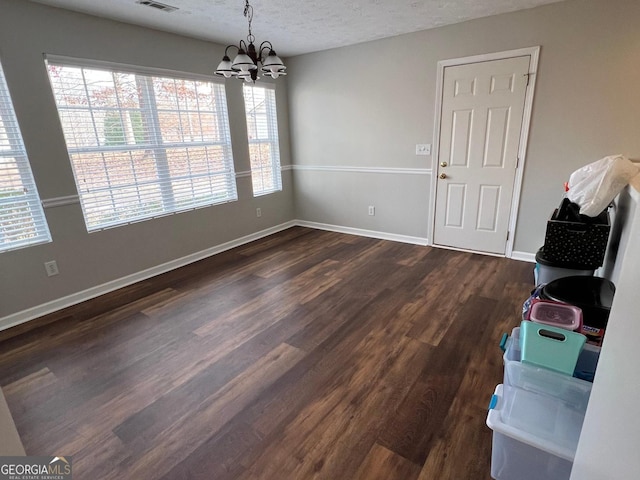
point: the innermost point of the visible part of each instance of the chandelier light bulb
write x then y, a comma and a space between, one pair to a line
243, 62
224, 68
272, 66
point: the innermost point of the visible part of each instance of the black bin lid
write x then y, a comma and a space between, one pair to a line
581, 291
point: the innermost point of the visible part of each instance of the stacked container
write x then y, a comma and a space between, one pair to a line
536, 416
574, 244
547, 270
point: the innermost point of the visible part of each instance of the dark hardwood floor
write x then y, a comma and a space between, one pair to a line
307, 354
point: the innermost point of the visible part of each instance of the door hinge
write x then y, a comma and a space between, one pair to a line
528, 75
517, 162
508, 235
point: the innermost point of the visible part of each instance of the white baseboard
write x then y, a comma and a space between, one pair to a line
523, 256
364, 233
93, 292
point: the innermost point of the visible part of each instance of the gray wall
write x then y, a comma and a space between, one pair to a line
368, 105
85, 260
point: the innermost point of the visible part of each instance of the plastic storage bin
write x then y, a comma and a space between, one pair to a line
547, 270
587, 363
556, 314
550, 347
593, 295
534, 436
574, 392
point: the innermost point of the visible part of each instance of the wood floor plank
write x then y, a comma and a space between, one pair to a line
450, 453
344, 416
452, 296
308, 284
383, 464
212, 414
27, 346
31, 383
304, 355
59, 438
465, 422
224, 459
183, 399
330, 364
101, 454
219, 457
418, 420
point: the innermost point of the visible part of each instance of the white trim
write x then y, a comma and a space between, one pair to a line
246, 173
522, 149
523, 256
534, 53
364, 233
436, 149
488, 57
93, 292
388, 170
60, 201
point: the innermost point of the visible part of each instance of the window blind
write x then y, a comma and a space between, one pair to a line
22, 220
143, 146
262, 131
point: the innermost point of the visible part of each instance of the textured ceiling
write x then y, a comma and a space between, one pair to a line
298, 26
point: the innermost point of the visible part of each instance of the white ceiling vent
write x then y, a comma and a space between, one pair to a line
160, 6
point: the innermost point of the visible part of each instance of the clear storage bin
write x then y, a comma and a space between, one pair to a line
535, 436
573, 391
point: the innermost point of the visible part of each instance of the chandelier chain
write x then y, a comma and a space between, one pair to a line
248, 13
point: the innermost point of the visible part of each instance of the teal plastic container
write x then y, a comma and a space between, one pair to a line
550, 347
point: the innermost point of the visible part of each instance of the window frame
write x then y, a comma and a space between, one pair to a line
273, 139
35, 218
160, 148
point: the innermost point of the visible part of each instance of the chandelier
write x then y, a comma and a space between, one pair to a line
245, 64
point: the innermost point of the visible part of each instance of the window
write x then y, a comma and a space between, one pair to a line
142, 146
262, 130
22, 221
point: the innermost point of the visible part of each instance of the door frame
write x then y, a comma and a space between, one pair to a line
534, 53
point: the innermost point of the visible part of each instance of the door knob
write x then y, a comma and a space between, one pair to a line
443, 164
443, 176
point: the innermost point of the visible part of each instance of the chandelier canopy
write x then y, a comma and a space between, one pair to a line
245, 63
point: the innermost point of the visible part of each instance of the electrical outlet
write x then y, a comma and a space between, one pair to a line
258, 212
423, 149
372, 210
51, 268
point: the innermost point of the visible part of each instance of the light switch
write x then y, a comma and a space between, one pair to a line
423, 149
51, 268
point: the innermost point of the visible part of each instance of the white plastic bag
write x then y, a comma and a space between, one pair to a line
594, 186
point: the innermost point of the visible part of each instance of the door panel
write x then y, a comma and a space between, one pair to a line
460, 133
496, 137
482, 109
456, 199
488, 204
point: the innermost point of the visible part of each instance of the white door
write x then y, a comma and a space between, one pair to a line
482, 111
